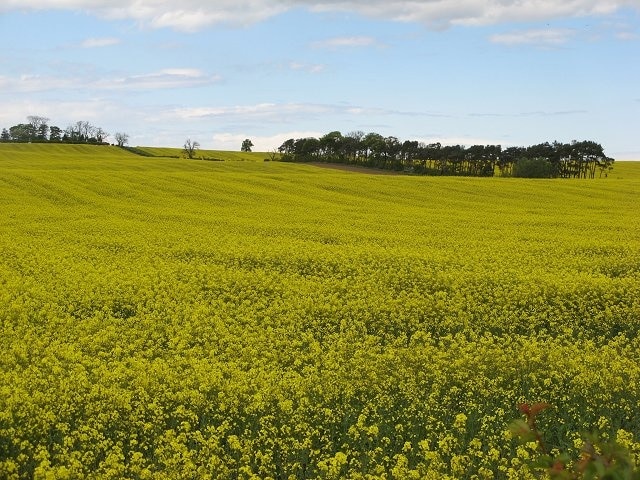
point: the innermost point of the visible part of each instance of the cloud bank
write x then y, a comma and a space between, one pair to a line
193, 15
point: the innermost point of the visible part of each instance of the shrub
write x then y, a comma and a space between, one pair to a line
533, 168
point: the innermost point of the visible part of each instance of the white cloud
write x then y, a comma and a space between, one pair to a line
191, 15
184, 15
262, 112
34, 83
282, 112
62, 113
538, 113
232, 141
100, 42
163, 79
627, 36
546, 37
309, 68
346, 42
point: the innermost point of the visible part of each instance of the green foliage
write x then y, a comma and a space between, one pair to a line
533, 168
598, 460
247, 144
574, 160
165, 318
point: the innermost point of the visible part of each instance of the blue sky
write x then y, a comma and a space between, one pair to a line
469, 72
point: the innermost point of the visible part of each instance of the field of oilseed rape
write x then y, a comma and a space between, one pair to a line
166, 318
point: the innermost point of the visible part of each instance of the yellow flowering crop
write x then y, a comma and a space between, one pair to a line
164, 318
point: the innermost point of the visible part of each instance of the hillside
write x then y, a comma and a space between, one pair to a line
173, 318
202, 154
106, 151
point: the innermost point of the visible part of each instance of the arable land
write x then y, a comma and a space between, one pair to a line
166, 318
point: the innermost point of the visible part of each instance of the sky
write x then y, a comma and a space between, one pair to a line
509, 72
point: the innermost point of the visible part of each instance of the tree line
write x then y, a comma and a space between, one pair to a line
38, 130
548, 160
578, 159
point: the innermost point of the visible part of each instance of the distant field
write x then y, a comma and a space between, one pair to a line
102, 151
626, 170
205, 154
167, 318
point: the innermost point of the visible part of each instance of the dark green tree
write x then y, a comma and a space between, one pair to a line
22, 132
307, 150
246, 145
374, 146
55, 134
354, 146
392, 150
331, 146
544, 160
537, 167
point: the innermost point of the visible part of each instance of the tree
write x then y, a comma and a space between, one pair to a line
101, 135
537, 167
39, 126
246, 145
121, 139
42, 134
78, 132
4, 136
409, 152
331, 146
87, 130
190, 148
373, 147
605, 165
22, 133
545, 160
392, 148
353, 145
508, 158
273, 155
82, 131
287, 150
69, 134
55, 134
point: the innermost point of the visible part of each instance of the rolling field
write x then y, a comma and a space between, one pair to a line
205, 154
167, 318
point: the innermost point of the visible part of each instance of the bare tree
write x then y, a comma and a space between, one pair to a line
70, 134
101, 135
121, 139
84, 130
190, 148
37, 121
273, 155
